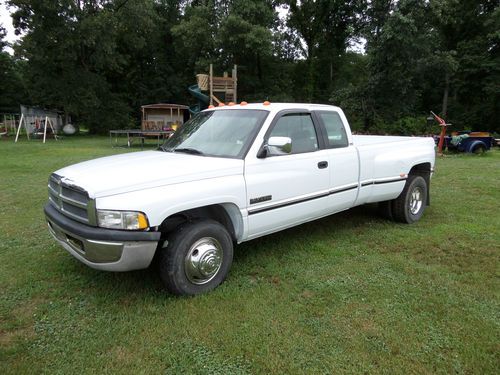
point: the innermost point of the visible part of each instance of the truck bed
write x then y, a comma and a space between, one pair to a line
368, 140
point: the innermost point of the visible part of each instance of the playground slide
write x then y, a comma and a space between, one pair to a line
203, 99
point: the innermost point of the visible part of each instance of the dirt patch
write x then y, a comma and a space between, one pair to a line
8, 338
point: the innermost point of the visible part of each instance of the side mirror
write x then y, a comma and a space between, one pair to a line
276, 146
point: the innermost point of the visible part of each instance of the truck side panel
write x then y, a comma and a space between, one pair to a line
162, 202
384, 166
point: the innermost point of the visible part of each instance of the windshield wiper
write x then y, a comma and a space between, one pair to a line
188, 150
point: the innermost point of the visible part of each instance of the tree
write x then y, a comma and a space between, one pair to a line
430, 55
97, 60
3, 34
469, 39
232, 32
100, 60
11, 87
195, 36
246, 39
325, 27
399, 45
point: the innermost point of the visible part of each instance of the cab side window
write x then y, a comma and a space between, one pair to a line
299, 127
335, 130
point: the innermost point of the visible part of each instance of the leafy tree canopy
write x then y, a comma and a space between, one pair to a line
100, 60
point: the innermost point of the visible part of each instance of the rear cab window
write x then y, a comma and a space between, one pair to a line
333, 126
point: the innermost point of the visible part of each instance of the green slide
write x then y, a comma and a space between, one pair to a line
203, 99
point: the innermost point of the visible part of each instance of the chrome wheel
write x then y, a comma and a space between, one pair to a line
203, 260
416, 200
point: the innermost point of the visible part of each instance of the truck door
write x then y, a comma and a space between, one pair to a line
289, 188
342, 159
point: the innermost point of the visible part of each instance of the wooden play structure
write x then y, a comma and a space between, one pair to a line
219, 85
163, 116
159, 121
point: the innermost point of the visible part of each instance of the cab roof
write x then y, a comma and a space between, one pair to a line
275, 107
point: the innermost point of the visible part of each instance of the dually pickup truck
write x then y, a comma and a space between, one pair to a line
229, 175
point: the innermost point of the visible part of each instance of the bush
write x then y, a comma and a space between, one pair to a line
412, 126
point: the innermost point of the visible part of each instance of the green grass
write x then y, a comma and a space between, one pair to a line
351, 293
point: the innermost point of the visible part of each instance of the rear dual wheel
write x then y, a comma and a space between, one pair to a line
410, 205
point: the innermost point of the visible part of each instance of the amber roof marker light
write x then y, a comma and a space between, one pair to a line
267, 103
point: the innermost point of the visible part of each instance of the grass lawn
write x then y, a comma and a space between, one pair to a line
350, 293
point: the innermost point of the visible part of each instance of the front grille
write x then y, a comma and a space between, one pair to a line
71, 200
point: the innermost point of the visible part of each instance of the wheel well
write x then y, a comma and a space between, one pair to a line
424, 170
217, 212
421, 169
477, 146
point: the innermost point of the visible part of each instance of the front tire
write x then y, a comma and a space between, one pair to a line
197, 258
410, 205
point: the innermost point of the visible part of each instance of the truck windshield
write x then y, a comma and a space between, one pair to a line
224, 133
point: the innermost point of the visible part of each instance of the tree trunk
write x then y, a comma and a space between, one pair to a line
444, 109
309, 84
259, 68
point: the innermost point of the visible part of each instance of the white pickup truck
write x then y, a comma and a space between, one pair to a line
229, 175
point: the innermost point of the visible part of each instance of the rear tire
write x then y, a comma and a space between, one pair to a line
410, 205
197, 258
479, 149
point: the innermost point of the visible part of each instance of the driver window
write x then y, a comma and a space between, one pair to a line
299, 128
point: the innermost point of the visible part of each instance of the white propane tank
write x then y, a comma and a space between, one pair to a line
69, 129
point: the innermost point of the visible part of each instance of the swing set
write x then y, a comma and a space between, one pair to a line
40, 126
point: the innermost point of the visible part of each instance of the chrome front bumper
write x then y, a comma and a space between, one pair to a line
105, 254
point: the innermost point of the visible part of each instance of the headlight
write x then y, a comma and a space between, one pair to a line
129, 220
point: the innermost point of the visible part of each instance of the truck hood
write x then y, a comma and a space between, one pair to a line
142, 170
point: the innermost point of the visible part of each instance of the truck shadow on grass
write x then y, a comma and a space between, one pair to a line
335, 226
144, 281
290, 242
